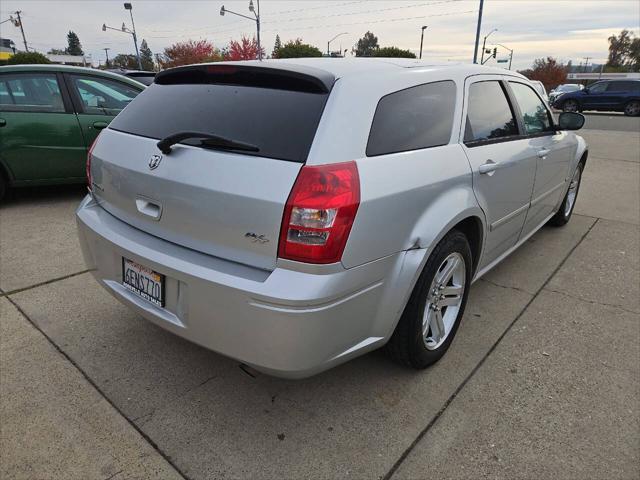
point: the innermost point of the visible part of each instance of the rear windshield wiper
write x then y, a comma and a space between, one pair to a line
208, 140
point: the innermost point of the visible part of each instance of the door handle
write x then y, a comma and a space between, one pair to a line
488, 168
3, 122
100, 125
543, 152
149, 208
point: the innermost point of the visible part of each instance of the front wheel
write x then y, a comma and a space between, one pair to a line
563, 215
432, 315
632, 109
570, 106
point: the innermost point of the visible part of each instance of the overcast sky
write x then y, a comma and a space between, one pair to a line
568, 30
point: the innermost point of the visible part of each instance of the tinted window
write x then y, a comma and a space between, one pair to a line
36, 92
101, 96
281, 123
623, 86
418, 117
489, 114
534, 113
598, 87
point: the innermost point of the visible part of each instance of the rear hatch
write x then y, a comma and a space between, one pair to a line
217, 199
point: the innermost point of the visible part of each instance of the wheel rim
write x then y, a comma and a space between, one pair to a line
443, 301
572, 193
633, 108
570, 106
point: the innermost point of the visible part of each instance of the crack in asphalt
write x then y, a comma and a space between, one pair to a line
47, 282
98, 389
479, 365
593, 302
517, 289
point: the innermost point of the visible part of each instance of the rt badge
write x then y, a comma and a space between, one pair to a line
154, 161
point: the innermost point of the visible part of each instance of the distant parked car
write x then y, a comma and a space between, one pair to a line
607, 95
539, 86
141, 76
295, 214
564, 88
49, 117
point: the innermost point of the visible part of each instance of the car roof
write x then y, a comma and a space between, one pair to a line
346, 67
69, 69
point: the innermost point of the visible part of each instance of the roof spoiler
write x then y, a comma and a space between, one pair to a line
285, 77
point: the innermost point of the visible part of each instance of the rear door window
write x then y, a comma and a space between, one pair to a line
414, 118
280, 121
101, 96
623, 86
535, 115
489, 114
30, 92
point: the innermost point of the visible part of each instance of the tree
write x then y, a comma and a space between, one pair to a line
393, 52
191, 51
124, 60
276, 47
245, 49
548, 71
367, 45
26, 58
146, 56
57, 51
74, 48
297, 49
624, 52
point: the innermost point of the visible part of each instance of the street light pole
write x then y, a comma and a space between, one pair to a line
475, 51
128, 6
256, 13
424, 27
329, 42
106, 52
484, 44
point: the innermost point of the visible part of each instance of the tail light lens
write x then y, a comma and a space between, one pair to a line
319, 213
89, 154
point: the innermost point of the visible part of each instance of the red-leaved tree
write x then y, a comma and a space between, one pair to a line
548, 71
245, 49
191, 51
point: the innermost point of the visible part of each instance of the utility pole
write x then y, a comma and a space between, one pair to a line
475, 51
586, 62
19, 23
106, 52
424, 27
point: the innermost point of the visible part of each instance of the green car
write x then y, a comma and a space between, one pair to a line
50, 115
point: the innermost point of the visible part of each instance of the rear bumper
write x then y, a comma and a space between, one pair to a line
285, 323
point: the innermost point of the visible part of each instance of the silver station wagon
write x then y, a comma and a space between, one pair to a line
295, 214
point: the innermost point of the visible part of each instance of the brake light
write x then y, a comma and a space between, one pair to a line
319, 213
89, 153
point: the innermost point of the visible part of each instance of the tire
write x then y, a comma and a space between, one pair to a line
571, 106
563, 215
408, 345
632, 109
3, 186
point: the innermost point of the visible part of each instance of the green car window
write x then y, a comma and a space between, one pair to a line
30, 92
101, 96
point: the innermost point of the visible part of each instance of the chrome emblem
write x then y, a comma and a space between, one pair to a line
154, 161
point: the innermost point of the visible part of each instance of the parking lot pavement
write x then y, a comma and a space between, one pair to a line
545, 357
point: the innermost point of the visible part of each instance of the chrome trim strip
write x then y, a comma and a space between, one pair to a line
547, 193
508, 217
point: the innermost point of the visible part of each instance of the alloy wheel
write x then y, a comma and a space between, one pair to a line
444, 301
572, 193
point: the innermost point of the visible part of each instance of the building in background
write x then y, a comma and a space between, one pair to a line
7, 49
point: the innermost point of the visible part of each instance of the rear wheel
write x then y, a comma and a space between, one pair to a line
632, 109
563, 215
570, 106
3, 186
432, 315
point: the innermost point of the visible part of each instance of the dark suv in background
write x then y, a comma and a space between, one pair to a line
606, 95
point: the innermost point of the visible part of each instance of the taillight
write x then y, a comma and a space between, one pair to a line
89, 153
319, 213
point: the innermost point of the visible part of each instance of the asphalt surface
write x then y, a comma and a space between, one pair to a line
542, 380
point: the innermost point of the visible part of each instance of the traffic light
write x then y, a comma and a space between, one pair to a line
495, 52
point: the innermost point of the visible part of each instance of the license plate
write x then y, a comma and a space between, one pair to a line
143, 281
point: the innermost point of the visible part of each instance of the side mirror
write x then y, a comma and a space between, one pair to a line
570, 121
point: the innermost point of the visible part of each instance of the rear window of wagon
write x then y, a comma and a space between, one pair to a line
281, 122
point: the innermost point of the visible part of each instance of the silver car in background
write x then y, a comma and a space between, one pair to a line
295, 214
